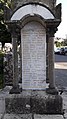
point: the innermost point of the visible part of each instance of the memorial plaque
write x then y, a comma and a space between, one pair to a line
33, 40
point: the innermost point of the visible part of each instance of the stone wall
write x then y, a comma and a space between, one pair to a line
8, 68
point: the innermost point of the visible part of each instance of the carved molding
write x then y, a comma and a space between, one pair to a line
50, 31
14, 27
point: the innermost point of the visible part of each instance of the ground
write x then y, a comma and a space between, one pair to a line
61, 71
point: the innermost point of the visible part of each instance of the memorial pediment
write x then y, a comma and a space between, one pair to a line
49, 3
32, 9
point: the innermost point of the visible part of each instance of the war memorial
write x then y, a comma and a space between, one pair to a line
33, 24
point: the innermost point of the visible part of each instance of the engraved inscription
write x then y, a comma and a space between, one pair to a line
33, 39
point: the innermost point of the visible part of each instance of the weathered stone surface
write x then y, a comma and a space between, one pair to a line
2, 105
48, 117
50, 105
33, 40
54, 104
34, 102
29, 116
1, 115
65, 115
17, 104
8, 69
17, 116
51, 4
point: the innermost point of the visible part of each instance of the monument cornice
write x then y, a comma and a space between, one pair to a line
51, 26
14, 27
50, 31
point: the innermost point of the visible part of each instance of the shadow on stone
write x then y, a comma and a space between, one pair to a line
37, 102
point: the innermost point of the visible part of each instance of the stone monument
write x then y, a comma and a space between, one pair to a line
36, 22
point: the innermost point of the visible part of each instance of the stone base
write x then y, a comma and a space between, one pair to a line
52, 91
37, 102
36, 116
29, 116
15, 90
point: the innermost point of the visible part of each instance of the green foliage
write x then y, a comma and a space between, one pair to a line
65, 42
5, 36
58, 44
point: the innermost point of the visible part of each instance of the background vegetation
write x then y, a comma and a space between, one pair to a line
5, 35
1, 70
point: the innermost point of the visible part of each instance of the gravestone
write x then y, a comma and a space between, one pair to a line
33, 40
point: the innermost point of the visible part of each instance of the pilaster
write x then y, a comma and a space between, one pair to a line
14, 33
51, 73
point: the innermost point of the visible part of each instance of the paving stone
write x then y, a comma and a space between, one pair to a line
65, 115
19, 116
1, 116
48, 117
64, 96
2, 105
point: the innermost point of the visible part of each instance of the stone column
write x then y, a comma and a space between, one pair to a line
15, 88
47, 77
20, 63
51, 72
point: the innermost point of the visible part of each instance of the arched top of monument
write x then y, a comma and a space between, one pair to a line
18, 3
32, 10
